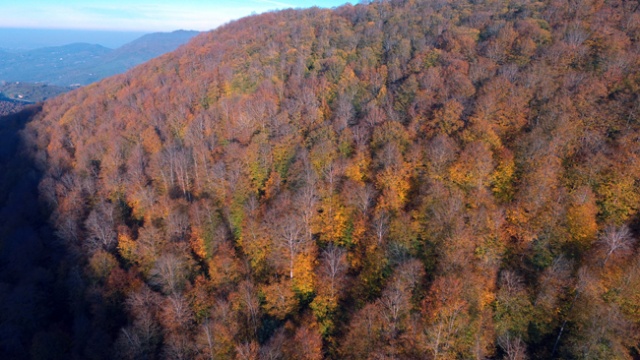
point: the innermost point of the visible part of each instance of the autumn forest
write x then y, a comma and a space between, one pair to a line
398, 179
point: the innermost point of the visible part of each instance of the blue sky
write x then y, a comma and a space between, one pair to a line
138, 15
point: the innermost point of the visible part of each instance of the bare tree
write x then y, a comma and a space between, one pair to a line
176, 313
214, 335
207, 337
176, 168
250, 304
440, 151
140, 339
617, 241
272, 350
395, 300
394, 305
510, 282
331, 172
248, 351
363, 197
513, 347
170, 273
177, 224
308, 200
290, 240
67, 230
101, 227
334, 264
450, 313
183, 169
381, 225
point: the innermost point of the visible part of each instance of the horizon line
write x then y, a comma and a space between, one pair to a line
97, 30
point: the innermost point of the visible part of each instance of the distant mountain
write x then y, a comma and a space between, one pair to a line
82, 63
134, 53
148, 46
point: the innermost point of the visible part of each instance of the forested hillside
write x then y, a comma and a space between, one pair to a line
8, 106
25, 93
394, 180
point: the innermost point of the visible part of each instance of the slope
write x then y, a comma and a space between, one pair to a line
400, 179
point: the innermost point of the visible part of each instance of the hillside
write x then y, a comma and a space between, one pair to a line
8, 106
82, 64
30, 92
394, 180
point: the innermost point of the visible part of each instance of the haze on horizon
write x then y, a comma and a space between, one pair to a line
141, 16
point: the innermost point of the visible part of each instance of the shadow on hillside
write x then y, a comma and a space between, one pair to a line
34, 315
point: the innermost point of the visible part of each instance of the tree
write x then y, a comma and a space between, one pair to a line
100, 226
513, 307
177, 319
447, 120
381, 225
170, 273
581, 218
330, 286
446, 315
513, 348
291, 241
616, 241
142, 338
279, 299
333, 268
246, 301
216, 336
306, 344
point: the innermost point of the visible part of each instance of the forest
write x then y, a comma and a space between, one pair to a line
396, 179
8, 107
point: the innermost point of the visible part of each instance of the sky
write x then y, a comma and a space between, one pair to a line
138, 15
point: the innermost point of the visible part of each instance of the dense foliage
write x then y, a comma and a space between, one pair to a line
400, 179
8, 107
